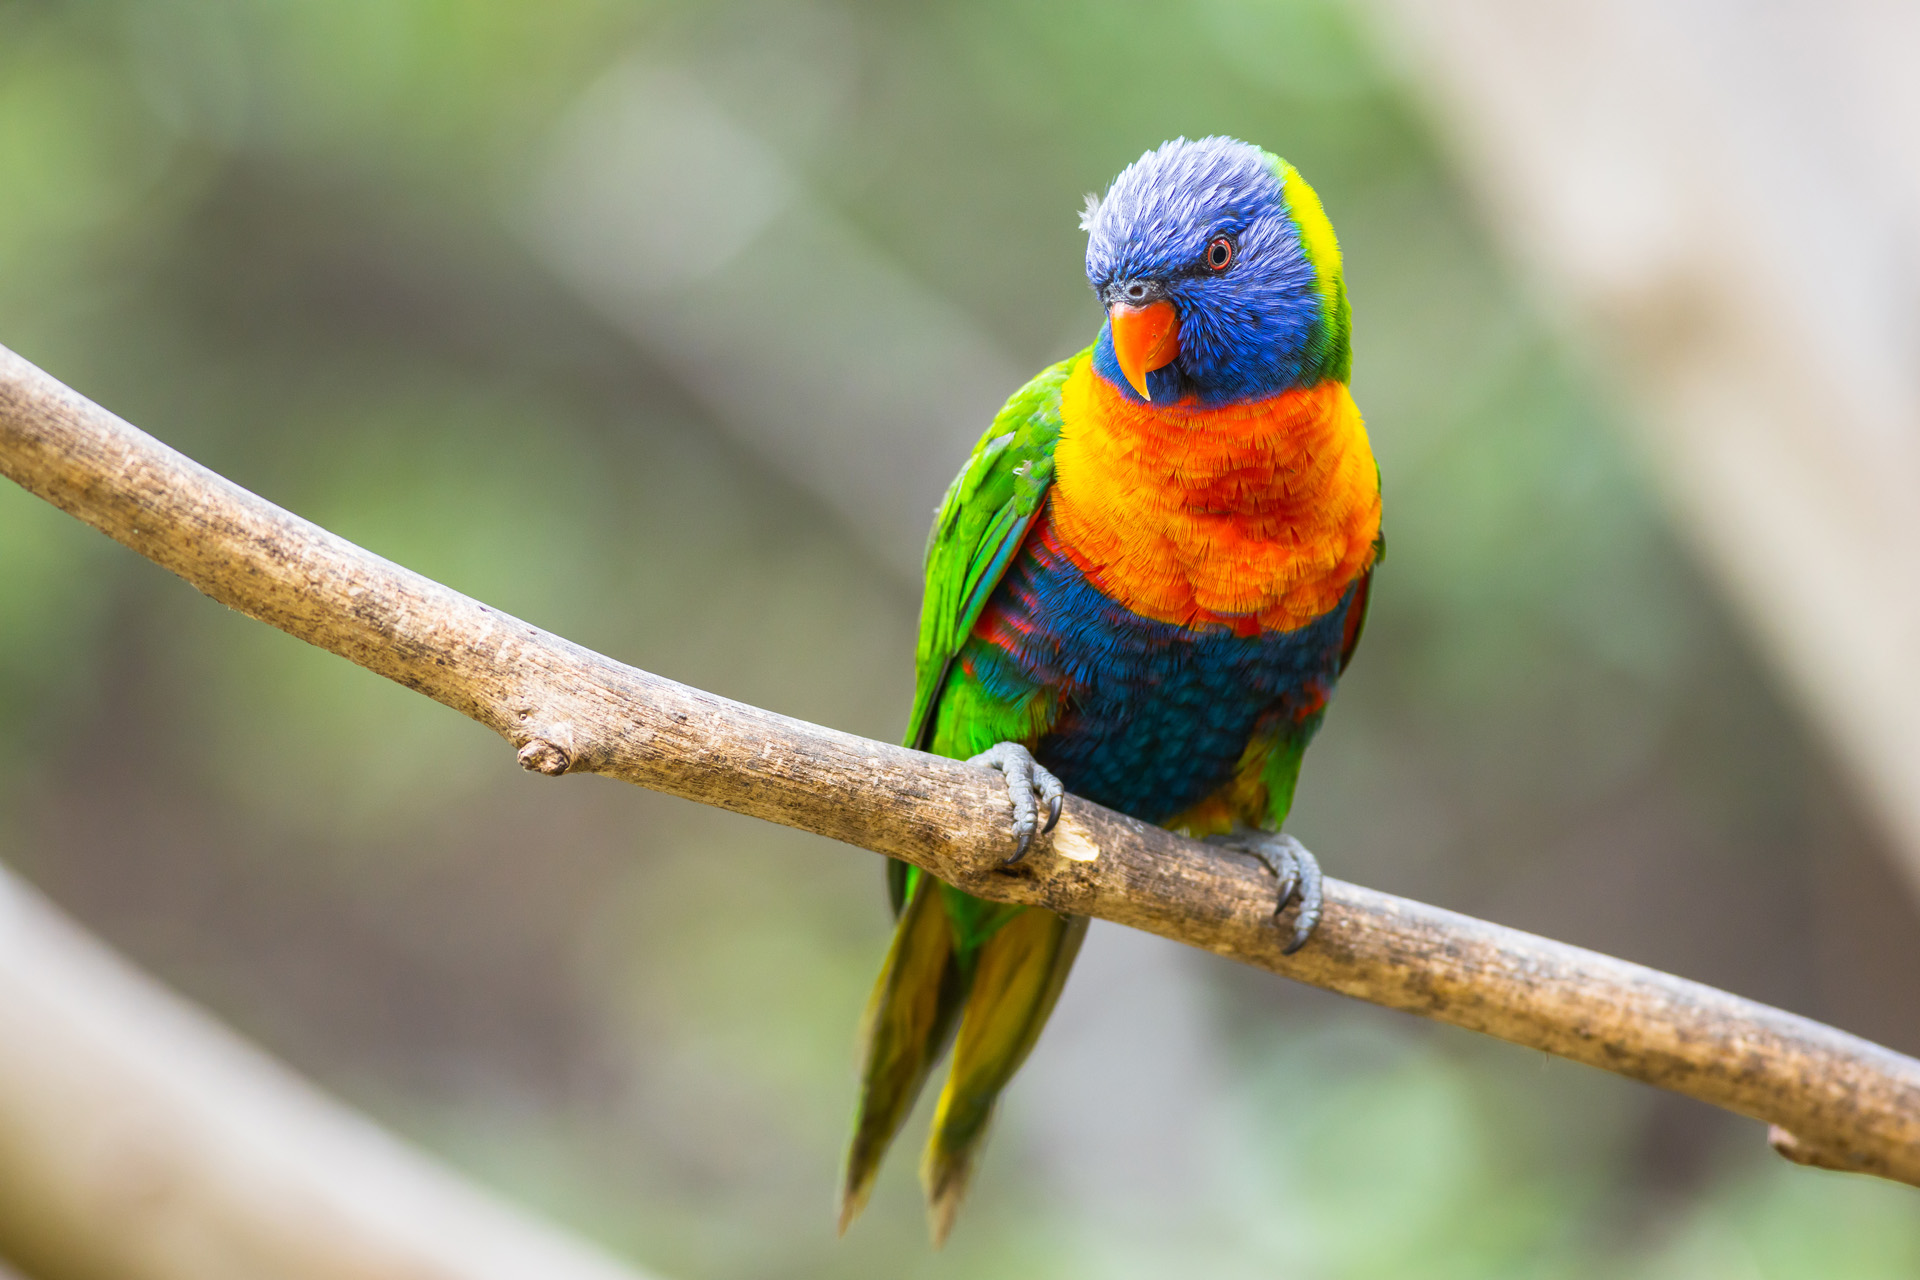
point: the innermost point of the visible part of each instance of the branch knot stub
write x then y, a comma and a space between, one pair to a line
549, 747
1791, 1146
542, 756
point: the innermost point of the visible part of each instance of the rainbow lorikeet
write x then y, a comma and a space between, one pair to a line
1141, 588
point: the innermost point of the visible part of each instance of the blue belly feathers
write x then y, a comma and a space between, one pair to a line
1155, 717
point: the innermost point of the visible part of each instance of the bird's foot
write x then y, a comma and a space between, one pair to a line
1296, 870
1026, 778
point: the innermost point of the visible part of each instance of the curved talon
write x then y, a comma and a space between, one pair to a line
1025, 776
1298, 874
1311, 900
1285, 869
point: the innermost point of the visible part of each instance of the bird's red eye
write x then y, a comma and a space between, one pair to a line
1219, 254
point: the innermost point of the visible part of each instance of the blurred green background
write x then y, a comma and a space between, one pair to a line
660, 325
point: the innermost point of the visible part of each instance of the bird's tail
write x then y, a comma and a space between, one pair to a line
1016, 980
910, 1015
996, 972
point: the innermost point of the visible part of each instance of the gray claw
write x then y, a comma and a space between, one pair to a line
1298, 874
1311, 899
1025, 776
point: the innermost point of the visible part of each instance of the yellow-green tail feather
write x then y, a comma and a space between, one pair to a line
1016, 980
909, 1018
941, 973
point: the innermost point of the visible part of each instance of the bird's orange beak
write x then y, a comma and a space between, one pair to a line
1144, 339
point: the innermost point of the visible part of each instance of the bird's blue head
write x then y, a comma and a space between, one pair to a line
1220, 275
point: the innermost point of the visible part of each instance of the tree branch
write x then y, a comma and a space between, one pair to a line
1838, 1101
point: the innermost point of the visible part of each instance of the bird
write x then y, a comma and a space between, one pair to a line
1141, 588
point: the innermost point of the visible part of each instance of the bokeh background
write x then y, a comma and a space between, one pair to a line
662, 325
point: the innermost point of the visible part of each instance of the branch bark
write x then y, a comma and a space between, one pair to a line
1836, 1100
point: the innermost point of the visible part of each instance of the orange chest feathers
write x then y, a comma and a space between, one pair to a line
1257, 517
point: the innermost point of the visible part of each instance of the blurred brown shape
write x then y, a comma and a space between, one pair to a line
1726, 211
140, 1140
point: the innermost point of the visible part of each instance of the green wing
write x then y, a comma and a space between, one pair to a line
981, 522
975, 535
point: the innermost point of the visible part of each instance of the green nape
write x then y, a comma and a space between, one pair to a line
1333, 346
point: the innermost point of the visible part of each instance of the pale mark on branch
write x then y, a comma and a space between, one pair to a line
1073, 842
